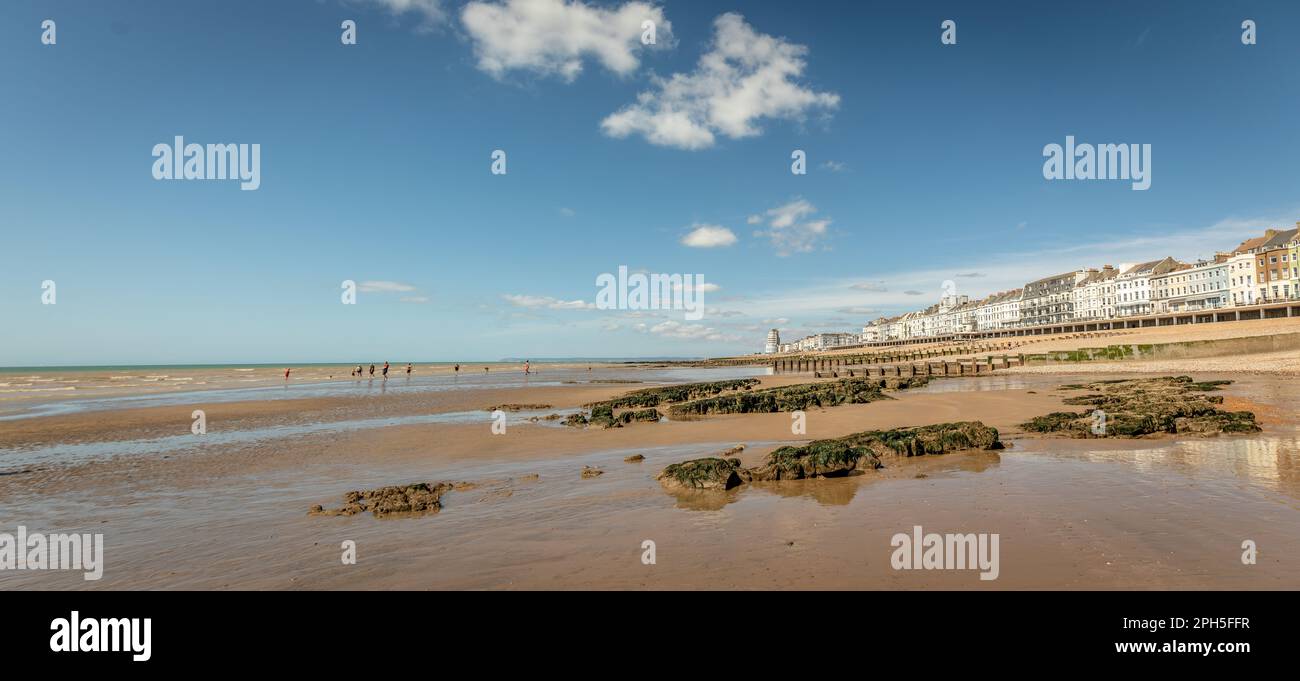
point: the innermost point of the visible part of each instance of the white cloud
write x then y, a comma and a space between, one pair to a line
745, 76
874, 286
790, 229
681, 331
719, 312
568, 212
706, 287
554, 37
415, 299
709, 236
835, 166
547, 302
431, 11
385, 287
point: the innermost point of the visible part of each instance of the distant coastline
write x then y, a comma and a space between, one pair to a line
278, 365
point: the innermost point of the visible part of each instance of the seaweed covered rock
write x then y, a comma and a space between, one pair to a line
653, 397
819, 459
416, 498
940, 438
1144, 406
833, 457
709, 474
786, 398
578, 420
603, 416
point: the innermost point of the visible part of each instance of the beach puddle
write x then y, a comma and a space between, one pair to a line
76, 453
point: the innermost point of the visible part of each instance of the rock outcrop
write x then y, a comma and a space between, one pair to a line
414, 499
793, 397
1140, 407
706, 474
831, 458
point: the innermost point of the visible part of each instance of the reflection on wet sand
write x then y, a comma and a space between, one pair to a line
1273, 460
841, 490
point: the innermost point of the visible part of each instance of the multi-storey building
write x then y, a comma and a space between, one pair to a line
961, 319
998, 311
773, 341
1133, 287
1049, 300
1276, 269
1094, 295
1189, 288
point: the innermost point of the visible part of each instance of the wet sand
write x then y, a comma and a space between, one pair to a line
1071, 514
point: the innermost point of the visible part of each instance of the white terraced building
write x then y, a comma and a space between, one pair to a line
1190, 288
1260, 270
1094, 296
1133, 287
999, 311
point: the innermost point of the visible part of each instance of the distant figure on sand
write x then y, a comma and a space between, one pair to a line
457, 369
485, 370
286, 374
372, 371
526, 369
408, 368
385, 369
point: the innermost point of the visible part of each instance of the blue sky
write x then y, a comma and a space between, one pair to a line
924, 164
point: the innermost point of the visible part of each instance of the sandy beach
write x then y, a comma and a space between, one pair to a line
228, 509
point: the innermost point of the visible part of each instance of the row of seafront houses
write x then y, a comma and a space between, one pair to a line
1260, 270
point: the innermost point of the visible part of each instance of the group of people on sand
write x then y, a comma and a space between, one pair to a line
359, 372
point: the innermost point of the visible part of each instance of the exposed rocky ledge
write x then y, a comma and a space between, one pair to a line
831, 458
416, 498
1142, 407
519, 407
796, 397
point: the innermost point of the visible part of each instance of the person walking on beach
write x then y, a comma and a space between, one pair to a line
286, 373
526, 369
408, 368
385, 369
457, 369
372, 371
